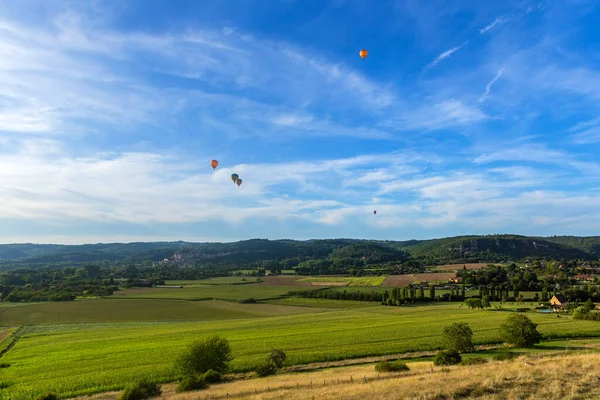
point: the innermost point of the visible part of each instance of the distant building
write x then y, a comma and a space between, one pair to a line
584, 277
558, 301
455, 280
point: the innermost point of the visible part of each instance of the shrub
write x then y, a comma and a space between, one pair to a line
188, 383
278, 357
268, 367
202, 355
447, 357
520, 331
251, 300
4, 365
474, 361
49, 396
3, 385
459, 337
395, 366
140, 391
212, 376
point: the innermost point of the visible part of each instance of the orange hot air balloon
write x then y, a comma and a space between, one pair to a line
239, 182
214, 164
363, 53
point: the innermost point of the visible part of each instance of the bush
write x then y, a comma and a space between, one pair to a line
447, 357
266, 368
4, 365
3, 385
188, 383
474, 361
212, 376
49, 396
251, 300
520, 331
459, 337
202, 355
278, 357
395, 366
141, 390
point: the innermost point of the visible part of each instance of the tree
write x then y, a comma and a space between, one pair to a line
459, 337
485, 301
278, 357
520, 331
213, 352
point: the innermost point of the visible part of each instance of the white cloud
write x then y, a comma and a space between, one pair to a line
488, 87
490, 26
449, 113
445, 55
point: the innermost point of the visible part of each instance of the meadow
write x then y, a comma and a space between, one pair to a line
132, 310
75, 359
198, 291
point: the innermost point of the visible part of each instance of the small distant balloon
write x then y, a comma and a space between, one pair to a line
238, 181
363, 53
234, 177
214, 164
374, 211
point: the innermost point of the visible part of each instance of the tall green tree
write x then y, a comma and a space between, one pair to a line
459, 337
518, 330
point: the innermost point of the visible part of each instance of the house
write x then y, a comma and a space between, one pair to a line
558, 301
455, 280
584, 277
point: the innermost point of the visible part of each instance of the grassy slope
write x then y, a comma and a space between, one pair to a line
226, 292
93, 358
131, 310
575, 378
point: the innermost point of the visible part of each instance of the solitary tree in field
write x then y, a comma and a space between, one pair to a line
459, 337
520, 331
202, 355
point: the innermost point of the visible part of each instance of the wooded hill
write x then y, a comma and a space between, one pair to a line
489, 248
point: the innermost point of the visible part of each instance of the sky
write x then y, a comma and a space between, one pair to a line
466, 117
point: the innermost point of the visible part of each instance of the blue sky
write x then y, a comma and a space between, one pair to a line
465, 118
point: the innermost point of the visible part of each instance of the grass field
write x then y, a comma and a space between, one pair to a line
131, 310
221, 291
352, 281
322, 303
80, 359
224, 280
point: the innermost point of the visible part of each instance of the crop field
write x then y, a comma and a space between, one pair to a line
81, 359
322, 303
5, 334
403, 280
459, 267
350, 280
225, 292
123, 310
224, 280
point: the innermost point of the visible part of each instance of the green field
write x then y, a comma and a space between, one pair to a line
322, 303
221, 291
353, 281
225, 280
79, 359
131, 310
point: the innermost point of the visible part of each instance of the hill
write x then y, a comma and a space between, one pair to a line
490, 248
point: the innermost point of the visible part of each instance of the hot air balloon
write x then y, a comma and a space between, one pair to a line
374, 211
239, 181
363, 53
234, 177
214, 164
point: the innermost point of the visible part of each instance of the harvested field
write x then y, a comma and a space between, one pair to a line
458, 267
403, 280
283, 280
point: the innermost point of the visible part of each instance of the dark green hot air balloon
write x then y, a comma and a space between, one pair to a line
239, 182
234, 177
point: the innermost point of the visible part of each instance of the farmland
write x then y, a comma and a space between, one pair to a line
345, 281
71, 359
198, 292
403, 280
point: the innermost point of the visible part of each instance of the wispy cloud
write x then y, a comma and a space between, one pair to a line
445, 55
490, 26
488, 87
